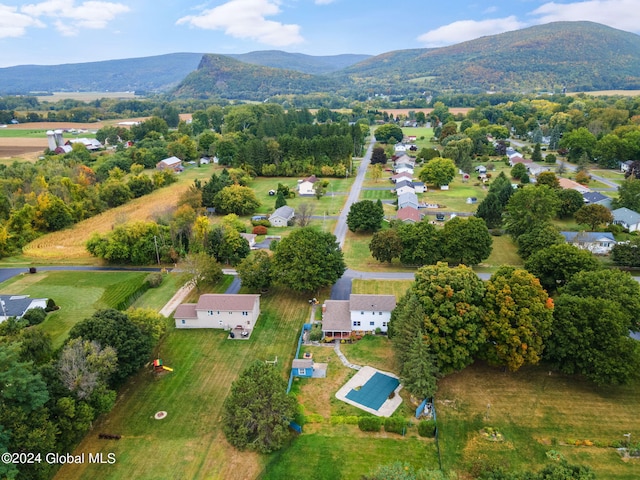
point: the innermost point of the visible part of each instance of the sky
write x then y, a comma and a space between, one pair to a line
54, 32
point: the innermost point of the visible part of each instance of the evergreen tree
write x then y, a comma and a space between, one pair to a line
418, 372
280, 200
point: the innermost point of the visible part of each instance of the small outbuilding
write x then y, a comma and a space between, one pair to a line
282, 216
302, 367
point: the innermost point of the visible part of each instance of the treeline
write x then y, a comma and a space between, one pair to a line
50, 398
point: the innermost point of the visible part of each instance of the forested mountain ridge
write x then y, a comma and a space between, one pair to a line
576, 55
147, 74
314, 65
223, 76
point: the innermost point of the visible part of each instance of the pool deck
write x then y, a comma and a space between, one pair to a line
361, 378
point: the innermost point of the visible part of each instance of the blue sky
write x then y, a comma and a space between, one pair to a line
71, 31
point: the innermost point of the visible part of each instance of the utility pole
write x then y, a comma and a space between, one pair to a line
155, 241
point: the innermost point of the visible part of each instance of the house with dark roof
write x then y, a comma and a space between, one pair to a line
282, 216
404, 186
626, 218
18, 305
599, 243
307, 186
361, 314
596, 198
223, 311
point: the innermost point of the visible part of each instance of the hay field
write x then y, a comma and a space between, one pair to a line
69, 244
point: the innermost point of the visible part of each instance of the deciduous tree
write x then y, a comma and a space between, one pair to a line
255, 271
388, 133
518, 318
421, 244
466, 241
451, 299
386, 245
307, 260
538, 238
557, 264
111, 328
438, 171
365, 216
236, 199
85, 365
593, 216
529, 206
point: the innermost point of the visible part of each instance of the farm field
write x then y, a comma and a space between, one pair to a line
205, 364
78, 294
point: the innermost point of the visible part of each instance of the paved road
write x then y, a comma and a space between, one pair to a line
341, 228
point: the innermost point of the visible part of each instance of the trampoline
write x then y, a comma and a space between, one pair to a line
375, 392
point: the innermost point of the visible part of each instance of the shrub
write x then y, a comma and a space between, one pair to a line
315, 335
35, 315
427, 428
583, 177
259, 230
263, 223
51, 305
369, 423
154, 279
395, 425
615, 229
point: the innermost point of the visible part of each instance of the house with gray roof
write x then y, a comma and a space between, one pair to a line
404, 186
599, 243
223, 311
361, 314
626, 218
596, 198
18, 305
282, 216
407, 200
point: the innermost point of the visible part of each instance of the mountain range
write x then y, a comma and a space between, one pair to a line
578, 56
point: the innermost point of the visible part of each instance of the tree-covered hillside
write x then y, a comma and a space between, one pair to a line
219, 75
314, 65
577, 55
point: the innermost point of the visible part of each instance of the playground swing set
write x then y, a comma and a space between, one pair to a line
158, 366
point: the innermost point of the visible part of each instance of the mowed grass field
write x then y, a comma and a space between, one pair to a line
78, 294
536, 412
189, 442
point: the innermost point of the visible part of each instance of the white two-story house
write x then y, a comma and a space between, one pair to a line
359, 315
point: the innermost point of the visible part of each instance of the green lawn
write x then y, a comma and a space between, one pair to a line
376, 287
79, 294
536, 412
614, 175
189, 443
504, 252
320, 456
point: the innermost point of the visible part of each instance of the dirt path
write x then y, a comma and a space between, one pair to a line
176, 300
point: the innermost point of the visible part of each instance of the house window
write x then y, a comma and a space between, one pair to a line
379, 313
220, 322
245, 314
209, 312
361, 313
230, 313
384, 324
356, 324
371, 324
183, 322
301, 371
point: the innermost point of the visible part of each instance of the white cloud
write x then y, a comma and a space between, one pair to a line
247, 19
621, 14
14, 24
324, 2
492, 9
464, 30
69, 17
